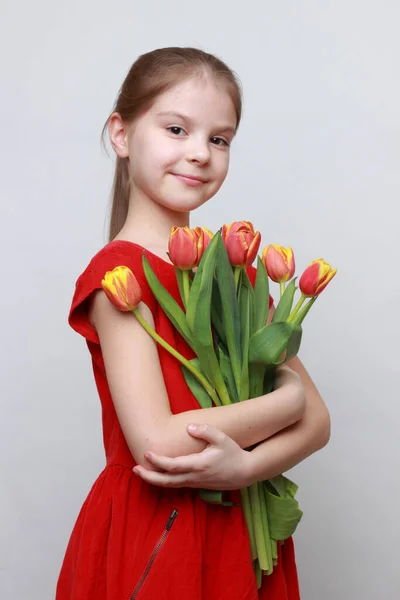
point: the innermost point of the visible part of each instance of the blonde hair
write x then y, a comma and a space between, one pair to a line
150, 75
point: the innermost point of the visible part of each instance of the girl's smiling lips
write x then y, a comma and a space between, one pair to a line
193, 180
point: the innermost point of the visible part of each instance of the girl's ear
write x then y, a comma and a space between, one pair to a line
118, 132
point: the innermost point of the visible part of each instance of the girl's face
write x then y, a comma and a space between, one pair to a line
179, 149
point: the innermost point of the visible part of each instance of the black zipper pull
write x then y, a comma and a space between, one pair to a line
171, 519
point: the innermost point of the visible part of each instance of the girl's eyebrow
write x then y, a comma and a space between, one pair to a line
170, 113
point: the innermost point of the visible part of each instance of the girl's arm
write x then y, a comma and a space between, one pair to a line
223, 465
138, 390
289, 447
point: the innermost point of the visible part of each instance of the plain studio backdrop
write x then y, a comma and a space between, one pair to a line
315, 166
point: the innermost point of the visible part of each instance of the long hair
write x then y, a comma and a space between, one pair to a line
150, 75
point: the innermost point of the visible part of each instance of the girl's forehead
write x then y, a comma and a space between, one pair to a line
196, 97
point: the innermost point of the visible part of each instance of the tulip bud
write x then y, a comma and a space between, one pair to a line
241, 242
183, 247
207, 236
279, 262
316, 277
122, 288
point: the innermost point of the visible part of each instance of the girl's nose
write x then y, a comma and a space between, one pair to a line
199, 152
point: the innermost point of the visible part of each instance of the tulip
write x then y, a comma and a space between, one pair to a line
279, 262
316, 277
242, 242
206, 235
183, 247
313, 281
122, 288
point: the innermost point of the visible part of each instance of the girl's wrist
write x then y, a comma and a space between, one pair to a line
247, 469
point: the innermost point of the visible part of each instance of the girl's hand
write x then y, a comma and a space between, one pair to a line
222, 465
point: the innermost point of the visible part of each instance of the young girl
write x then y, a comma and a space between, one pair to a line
143, 532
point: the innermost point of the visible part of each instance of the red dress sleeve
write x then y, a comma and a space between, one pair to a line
114, 254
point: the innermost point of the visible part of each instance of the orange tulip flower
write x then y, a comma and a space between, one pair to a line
279, 262
122, 288
316, 277
242, 242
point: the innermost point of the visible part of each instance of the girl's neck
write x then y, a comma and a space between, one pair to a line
149, 224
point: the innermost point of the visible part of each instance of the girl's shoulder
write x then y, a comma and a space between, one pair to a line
114, 254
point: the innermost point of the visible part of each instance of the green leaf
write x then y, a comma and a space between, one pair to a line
196, 283
268, 344
216, 316
179, 278
246, 295
261, 296
195, 386
213, 497
294, 342
230, 313
167, 303
285, 304
225, 366
202, 332
283, 510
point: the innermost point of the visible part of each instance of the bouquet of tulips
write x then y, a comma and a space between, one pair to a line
224, 321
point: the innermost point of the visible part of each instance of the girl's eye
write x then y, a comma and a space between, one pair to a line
224, 142
174, 127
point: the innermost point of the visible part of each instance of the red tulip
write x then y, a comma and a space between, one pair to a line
316, 277
183, 247
279, 262
242, 242
122, 288
207, 236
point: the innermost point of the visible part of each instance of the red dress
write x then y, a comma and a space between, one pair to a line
134, 540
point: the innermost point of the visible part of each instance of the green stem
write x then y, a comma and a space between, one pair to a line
258, 527
259, 574
244, 494
236, 272
282, 288
300, 316
209, 389
265, 524
296, 309
186, 287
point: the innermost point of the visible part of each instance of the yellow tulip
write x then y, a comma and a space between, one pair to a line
122, 288
316, 277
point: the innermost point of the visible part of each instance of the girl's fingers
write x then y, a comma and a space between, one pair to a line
210, 434
163, 479
180, 464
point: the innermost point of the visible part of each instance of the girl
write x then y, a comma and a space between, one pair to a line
143, 532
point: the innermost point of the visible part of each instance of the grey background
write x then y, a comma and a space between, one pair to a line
315, 166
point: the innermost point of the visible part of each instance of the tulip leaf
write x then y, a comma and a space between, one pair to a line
230, 313
261, 295
195, 386
213, 497
268, 344
225, 365
202, 332
283, 510
167, 303
285, 303
246, 294
179, 278
216, 315
196, 285
294, 342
